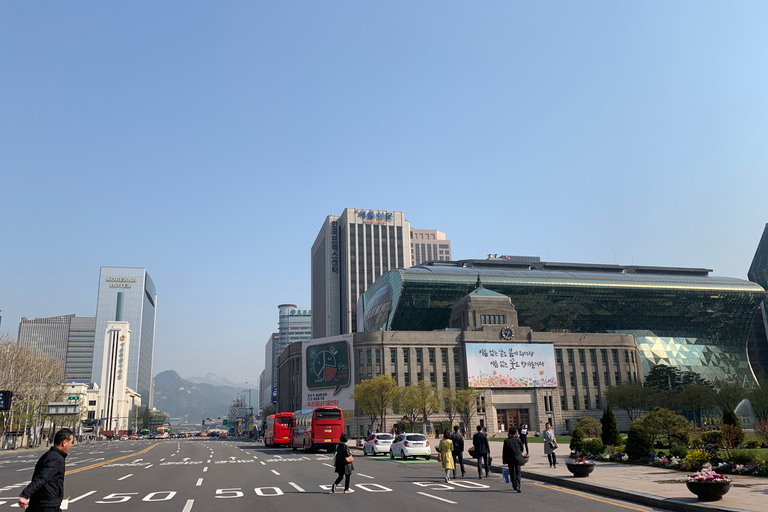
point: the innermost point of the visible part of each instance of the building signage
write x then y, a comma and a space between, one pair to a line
373, 217
327, 376
5, 400
120, 282
334, 246
511, 365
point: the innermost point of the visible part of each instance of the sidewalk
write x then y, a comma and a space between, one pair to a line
646, 485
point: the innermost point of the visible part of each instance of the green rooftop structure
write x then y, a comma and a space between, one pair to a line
681, 317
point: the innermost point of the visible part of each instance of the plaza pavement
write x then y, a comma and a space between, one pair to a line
645, 485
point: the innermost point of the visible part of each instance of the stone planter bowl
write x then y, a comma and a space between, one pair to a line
580, 470
709, 491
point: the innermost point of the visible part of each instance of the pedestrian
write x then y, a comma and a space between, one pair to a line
342, 463
445, 453
512, 456
368, 434
550, 444
524, 437
481, 450
458, 450
45, 491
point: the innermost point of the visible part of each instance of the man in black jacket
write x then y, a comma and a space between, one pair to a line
512, 456
46, 490
481, 450
458, 450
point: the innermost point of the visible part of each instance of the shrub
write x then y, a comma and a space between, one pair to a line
638, 442
743, 456
712, 437
594, 446
610, 432
751, 444
696, 459
679, 451
590, 426
577, 440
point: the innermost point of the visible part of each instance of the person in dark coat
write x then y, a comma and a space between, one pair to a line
45, 491
512, 456
341, 466
458, 450
481, 450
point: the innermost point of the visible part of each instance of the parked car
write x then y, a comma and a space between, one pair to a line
377, 443
410, 445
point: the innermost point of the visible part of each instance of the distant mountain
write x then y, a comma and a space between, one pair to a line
192, 401
215, 380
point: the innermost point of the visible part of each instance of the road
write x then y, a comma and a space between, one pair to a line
200, 475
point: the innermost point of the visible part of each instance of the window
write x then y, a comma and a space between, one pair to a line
419, 377
582, 359
626, 356
635, 377
378, 356
361, 358
570, 356
586, 402
584, 379
633, 357
559, 356
615, 354
573, 379
394, 376
629, 376
560, 379
456, 356
563, 403
595, 379
575, 403
607, 380
432, 377
432, 356
446, 384
407, 378
593, 355
618, 377
444, 355
92, 403
418, 355
457, 377
405, 356
604, 355
368, 356
393, 355
597, 401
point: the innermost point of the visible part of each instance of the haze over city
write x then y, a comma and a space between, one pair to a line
207, 144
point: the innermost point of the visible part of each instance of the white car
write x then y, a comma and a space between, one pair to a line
410, 445
377, 443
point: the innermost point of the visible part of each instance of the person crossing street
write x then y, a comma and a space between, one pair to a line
45, 491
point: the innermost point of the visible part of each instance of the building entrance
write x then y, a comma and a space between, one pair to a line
506, 418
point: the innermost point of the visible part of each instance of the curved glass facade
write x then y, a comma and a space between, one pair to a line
694, 322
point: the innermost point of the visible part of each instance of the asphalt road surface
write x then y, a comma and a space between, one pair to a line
206, 474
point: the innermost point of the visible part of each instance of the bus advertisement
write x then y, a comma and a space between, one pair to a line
315, 429
278, 429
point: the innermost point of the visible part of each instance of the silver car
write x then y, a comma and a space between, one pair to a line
378, 443
410, 445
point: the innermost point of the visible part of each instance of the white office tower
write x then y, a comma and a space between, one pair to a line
117, 399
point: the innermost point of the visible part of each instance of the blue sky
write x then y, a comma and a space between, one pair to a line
206, 142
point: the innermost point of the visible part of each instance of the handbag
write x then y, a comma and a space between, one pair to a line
350, 459
553, 445
439, 456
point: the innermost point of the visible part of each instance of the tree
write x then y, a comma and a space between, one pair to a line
761, 429
630, 397
589, 426
661, 423
732, 429
427, 399
375, 396
729, 393
758, 397
449, 404
577, 440
639, 444
407, 404
610, 434
696, 398
466, 404
663, 376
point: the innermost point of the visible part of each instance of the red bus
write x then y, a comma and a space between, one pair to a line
314, 429
278, 429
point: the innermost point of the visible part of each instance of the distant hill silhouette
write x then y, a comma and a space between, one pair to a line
190, 401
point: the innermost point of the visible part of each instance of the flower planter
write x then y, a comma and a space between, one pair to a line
709, 491
580, 470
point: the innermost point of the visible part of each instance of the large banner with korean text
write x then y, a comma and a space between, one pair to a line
511, 365
327, 376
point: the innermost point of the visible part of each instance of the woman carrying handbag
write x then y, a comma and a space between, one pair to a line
445, 454
550, 445
342, 463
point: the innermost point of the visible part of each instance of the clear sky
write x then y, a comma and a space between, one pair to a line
207, 141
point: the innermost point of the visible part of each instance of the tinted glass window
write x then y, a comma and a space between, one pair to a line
417, 437
328, 414
385, 436
284, 421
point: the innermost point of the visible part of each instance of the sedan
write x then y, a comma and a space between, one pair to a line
377, 443
410, 445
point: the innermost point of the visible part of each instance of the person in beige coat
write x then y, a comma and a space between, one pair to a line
445, 449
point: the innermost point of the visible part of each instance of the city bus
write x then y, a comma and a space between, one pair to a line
315, 429
278, 429
161, 433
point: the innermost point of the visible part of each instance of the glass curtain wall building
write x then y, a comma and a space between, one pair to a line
128, 294
758, 337
67, 338
680, 317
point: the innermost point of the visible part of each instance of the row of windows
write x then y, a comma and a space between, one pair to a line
493, 319
575, 402
419, 378
631, 377
628, 356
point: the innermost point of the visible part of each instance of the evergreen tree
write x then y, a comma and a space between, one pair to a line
610, 434
577, 440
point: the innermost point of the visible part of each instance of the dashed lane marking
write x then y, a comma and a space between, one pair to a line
99, 464
437, 498
365, 476
126, 476
275, 472
188, 506
81, 497
199, 482
296, 487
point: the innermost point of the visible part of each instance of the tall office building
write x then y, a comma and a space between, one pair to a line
266, 379
128, 295
429, 245
66, 338
758, 336
350, 252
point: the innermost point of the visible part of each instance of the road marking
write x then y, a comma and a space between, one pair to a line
306, 458
255, 457
99, 464
275, 472
199, 482
366, 476
81, 497
262, 463
126, 476
208, 461
25, 469
205, 469
148, 466
326, 464
188, 506
590, 498
296, 487
161, 460
137, 460
437, 498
